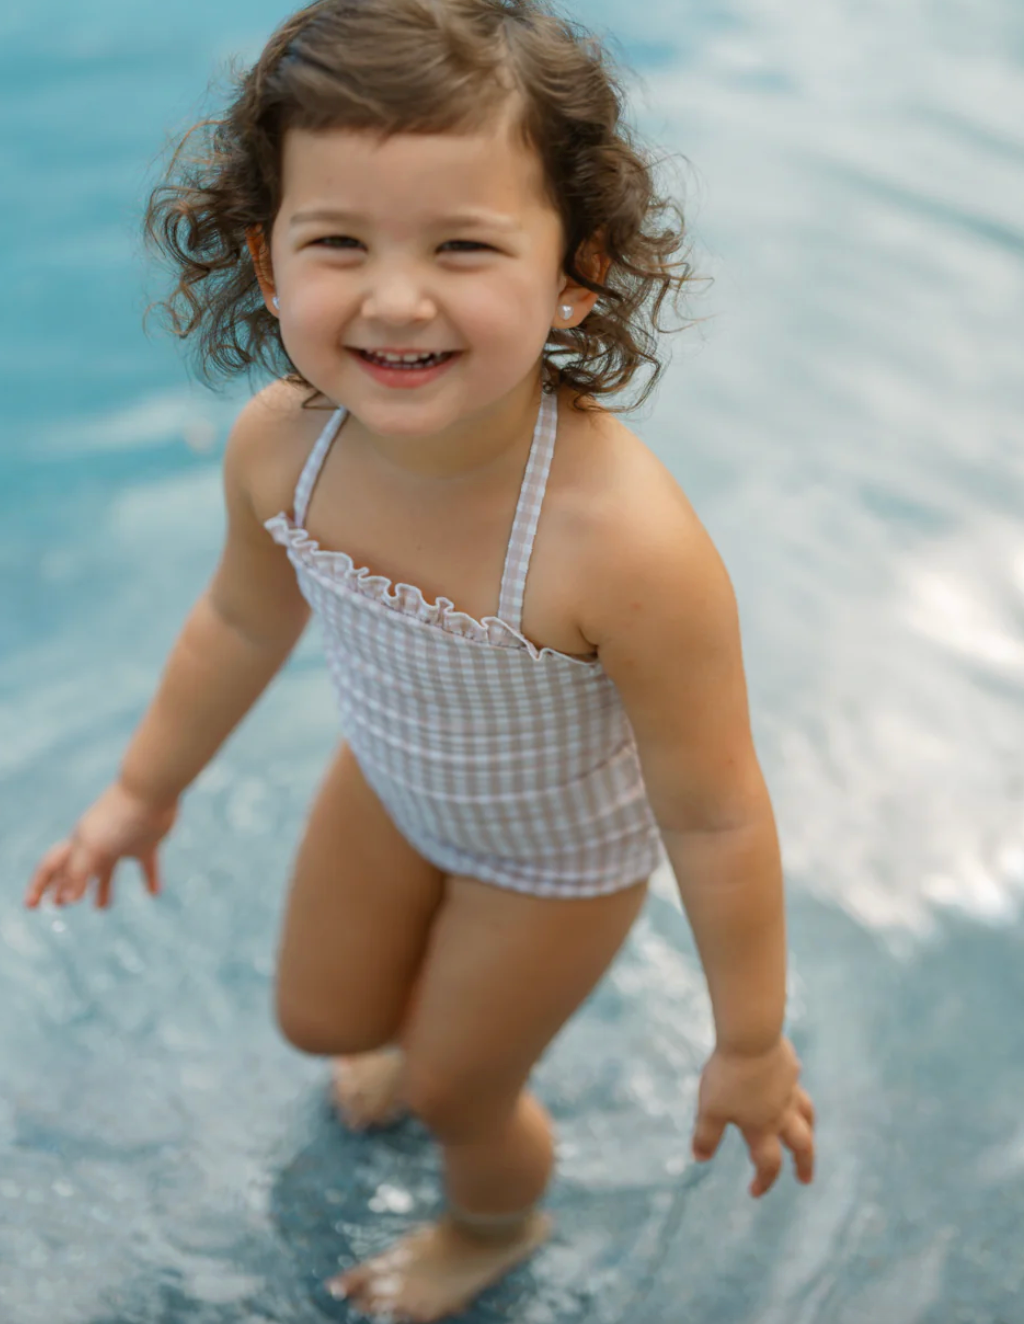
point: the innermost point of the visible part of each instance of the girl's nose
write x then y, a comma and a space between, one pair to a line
398, 302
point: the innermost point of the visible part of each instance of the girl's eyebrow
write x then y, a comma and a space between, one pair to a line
484, 219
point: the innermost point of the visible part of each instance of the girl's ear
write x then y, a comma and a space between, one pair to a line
259, 250
594, 263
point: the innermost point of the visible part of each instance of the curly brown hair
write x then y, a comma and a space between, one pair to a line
425, 66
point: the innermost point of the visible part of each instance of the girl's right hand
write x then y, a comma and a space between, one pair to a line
119, 825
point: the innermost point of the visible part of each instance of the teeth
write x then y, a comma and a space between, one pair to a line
404, 360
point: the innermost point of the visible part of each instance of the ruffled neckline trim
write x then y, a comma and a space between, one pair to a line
408, 600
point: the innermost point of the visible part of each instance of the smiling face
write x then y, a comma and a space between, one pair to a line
439, 243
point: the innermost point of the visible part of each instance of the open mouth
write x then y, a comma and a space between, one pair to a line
407, 363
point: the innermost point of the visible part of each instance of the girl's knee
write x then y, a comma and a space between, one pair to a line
308, 1028
456, 1109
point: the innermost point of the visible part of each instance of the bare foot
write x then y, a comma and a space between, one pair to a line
436, 1271
365, 1088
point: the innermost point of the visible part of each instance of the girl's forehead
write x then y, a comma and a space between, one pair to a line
490, 166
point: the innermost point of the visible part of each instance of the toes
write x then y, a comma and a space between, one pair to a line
349, 1285
383, 1309
335, 1288
383, 1305
341, 1288
373, 1289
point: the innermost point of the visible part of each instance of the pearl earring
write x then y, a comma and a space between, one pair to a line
567, 311
276, 302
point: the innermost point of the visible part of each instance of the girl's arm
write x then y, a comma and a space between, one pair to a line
234, 641
674, 653
666, 626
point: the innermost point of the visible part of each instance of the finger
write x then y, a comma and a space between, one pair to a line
766, 1153
70, 889
805, 1107
78, 874
798, 1136
707, 1136
104, 888
151, 872
73, 886
46, 873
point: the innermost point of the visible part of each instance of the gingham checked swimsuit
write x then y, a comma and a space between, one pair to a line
496, 759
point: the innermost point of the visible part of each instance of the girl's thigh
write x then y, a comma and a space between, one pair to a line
502, 974
357, 920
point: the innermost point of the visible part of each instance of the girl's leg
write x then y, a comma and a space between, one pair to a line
357, 922
503, 973
366, 1088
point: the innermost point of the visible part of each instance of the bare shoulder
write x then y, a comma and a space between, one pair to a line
269, 443
637, 539
656, 602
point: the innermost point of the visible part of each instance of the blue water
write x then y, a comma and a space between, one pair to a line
847, 420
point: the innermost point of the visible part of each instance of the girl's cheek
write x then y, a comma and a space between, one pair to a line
494, 308
317, 304
481, 320
523, 312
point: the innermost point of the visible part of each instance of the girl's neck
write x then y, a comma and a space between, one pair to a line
474, 448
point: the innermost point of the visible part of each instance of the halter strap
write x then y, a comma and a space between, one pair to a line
524, 527
311, 469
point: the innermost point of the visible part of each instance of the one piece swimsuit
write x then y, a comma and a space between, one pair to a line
496, 759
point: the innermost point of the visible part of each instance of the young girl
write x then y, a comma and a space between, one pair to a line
428, 217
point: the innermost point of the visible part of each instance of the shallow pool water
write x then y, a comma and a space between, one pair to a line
846, 416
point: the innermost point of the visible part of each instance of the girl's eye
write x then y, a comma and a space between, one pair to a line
343, 241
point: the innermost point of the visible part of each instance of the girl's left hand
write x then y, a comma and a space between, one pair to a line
760, 1096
